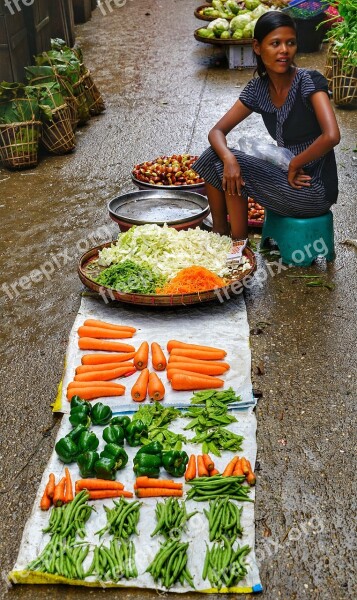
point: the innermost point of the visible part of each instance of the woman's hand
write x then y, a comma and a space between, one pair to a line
297, 178
232, 180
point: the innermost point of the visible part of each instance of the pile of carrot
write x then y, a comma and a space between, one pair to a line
99, 489
240, 466
148, 384
192, 279
201, 465
195, 367
90, 381
59, 494
147, 487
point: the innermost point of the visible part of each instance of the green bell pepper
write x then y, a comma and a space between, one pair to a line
117, 453
74, 435
147, 464
66, 449
101, 414
174, 462
105, 468
114, 434
86, 463
79, 416
154, 448
121, 421
135, 431
87, 441
77, 401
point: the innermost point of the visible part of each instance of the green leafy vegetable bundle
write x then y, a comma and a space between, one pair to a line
130, 277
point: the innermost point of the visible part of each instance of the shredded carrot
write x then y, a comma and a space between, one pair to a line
192, 279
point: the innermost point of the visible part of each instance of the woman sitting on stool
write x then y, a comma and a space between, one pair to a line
296, 111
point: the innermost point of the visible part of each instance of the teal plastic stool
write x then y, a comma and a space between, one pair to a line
300, 241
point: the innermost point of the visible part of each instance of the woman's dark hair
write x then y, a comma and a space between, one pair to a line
266, 24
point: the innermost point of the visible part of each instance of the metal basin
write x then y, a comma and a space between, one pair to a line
176, 208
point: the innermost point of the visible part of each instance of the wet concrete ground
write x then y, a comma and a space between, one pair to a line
163, 92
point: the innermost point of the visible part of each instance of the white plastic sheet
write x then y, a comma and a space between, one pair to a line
220, 325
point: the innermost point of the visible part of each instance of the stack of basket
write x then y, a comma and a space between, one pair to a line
63, 95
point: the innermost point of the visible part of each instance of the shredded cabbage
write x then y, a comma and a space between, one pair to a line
167, 251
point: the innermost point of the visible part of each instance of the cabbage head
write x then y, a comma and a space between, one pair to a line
232, 6
206, 33
218, 26
240, 22
237, 35
225, 35
248, 31
251, 4
217, 4
259, 11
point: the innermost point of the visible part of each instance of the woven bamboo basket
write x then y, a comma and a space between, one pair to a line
80, 94
57, 135
94, 98
72, 104
19, 144
344, 82
328, 67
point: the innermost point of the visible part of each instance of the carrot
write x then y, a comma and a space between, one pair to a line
214, 472
94, 391
104, 367
156, 388
230, 467
156, 492
206, 369
180, 381
99, 494
245, 466
69, 487
251, 479
51, 484
104, 375
100, 332
103, 324
86, 384
191, 468
140, 387
87, 343
202, 470
238, 468
196, 361
158, 357
100, 359
141, 357
59, 497
201, 354
208, 462
45, 502
98, 484
176, 344
172, 372
144, 482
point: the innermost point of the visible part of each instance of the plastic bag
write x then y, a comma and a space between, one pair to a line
280, 157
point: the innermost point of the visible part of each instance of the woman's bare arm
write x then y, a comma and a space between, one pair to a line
232, 181
329, 138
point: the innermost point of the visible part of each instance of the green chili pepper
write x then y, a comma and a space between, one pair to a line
79, 416
134, 432
66, 449
105, 468
114, 434
121, 421
86, 463
117, 453
174, 462
101, 414
74, 435
147, 465
87, 441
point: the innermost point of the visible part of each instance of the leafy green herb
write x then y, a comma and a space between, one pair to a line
128, 276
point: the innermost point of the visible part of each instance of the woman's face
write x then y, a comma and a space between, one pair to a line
278, 49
